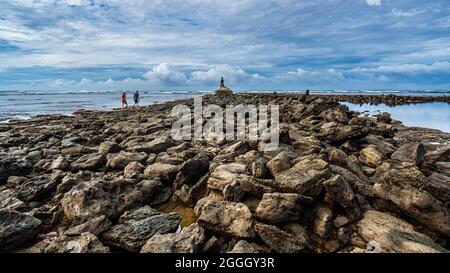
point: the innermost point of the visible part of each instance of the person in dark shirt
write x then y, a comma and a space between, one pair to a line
136, 98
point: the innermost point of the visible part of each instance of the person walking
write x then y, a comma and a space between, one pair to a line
136, 98
124, 100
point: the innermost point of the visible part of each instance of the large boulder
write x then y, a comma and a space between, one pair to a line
189, 240
410, 191
95, 226
279, 163
92, 199
394, 235
341, 193
229, 218
304, 178
280, 207
224, 175
136, 227
16, 229
192, 170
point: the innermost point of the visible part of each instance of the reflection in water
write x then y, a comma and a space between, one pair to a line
435, 115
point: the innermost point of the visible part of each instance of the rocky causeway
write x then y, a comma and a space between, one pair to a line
115, 181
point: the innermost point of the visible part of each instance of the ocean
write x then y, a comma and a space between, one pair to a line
25, 104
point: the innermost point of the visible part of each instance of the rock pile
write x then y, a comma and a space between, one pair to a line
339, 181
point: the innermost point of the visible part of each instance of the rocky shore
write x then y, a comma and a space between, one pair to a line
115, 181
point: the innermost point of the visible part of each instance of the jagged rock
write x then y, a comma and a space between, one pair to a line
280, 241
410, 152
95, 226
192, 170
163, 172
323, 222
234, 219
243, 247
340, 221
92, 199
371, 156
280, 207
304, 178
136, 227
154, 192
384, 117
36, 189
233, 192
188, 240
60, 164
109, 147
9, 166
394, 235
89, 162
224, 175
342, 194
121, 160
8, 200
279, 163
16, 229
410, 191
133, 170
85, 243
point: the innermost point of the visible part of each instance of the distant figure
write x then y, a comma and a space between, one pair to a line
124, 100
307, 92
136, 98
222, 82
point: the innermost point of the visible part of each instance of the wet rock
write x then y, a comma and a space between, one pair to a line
407, 188
234, 219
384, 117
410, 152
280, 207
163, 172
189, 240
95, 226
16, 229
304, 178
121, 160
136, 227
279, 240
394, 235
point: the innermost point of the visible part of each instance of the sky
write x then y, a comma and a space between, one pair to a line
253, 44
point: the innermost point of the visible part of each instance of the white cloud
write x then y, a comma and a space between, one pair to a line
230, 74
406, 13
373, 2
165, 73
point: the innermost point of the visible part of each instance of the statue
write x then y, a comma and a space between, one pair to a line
222, 88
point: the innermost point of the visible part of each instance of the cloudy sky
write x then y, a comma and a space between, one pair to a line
254, 44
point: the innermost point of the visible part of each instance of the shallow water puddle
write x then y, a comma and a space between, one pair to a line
187, 214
